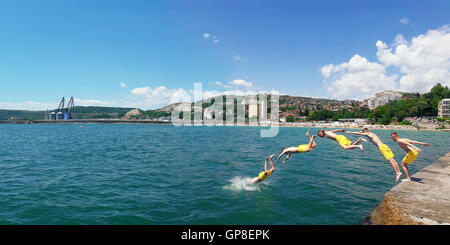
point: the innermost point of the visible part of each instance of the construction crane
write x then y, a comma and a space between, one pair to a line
62, 113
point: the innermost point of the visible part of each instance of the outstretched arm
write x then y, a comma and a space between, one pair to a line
414, 147
337, 130
418, 142
357, 133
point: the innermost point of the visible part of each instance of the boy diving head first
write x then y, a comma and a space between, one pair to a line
297, 149
266, 173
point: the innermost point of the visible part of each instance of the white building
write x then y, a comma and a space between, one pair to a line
444, 108
383, 98
262, 110
253, 111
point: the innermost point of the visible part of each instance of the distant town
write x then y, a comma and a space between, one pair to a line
384, 108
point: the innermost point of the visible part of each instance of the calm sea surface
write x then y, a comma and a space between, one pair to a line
147, 174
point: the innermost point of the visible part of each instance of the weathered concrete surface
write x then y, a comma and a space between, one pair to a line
424, 201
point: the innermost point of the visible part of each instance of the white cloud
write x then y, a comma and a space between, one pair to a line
242, 83
358, 76
92, 102
213, 38
404, 20
123, 85
141, 91
327, 70
400, 40
222, 85
27, 105
42, 106
421, 63
148, 98
145, 98
239, 58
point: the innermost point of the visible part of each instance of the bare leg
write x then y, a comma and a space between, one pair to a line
359, 140
288, 150
282, 153
406, 171
265, 165
311, 144
287, 158
394, 165
271, 162
348, 147
307, 134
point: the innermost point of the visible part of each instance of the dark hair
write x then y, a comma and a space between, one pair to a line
321, 131
394, 133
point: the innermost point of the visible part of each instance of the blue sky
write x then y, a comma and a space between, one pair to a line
85, 49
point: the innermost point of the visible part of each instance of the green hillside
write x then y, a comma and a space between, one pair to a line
413, 105
97, 112
21, 115
78, 112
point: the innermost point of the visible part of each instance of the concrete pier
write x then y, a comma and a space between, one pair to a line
424, 201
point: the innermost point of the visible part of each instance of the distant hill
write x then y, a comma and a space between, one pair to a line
78, 112
21, 115
300, 106
97, 112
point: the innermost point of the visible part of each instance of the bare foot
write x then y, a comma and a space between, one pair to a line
361, 147
399, 176
307, 133
361, 138
271, 156
406, 180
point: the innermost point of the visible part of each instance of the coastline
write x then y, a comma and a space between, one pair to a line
85, 121
424, 201
287, 125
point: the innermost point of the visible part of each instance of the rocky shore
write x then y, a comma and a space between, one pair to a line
424, 201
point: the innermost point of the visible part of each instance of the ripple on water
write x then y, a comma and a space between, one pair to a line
142, 174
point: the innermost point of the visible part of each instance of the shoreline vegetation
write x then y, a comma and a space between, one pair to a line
413, 111
284, 125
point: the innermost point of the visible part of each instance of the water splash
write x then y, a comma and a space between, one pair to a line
242, 183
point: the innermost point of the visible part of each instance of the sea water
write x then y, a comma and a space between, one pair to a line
159, 174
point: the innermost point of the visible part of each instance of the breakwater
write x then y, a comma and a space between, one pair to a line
424, 201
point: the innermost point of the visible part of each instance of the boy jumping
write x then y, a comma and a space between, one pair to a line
411, 150
299, 149
345, 143
384, 149
266, 173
